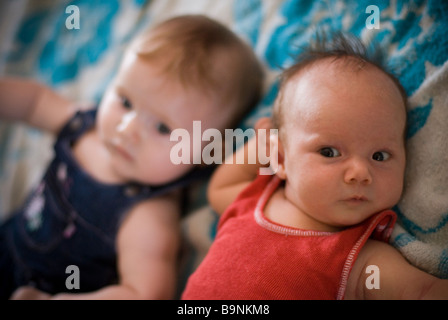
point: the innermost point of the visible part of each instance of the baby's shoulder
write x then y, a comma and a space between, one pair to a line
166, 205
156, 217
375, 260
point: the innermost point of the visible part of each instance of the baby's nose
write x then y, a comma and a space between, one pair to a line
358, 172
129, 126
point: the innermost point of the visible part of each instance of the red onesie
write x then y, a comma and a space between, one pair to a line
255, 258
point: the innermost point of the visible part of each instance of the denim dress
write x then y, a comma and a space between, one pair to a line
70, 219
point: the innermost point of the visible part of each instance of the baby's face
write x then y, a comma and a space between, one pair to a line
344, 148
136, 116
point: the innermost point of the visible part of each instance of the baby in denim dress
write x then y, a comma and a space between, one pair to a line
110, 202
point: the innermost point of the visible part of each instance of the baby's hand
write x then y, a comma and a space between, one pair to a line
29, 293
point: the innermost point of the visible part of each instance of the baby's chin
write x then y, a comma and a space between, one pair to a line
351, 219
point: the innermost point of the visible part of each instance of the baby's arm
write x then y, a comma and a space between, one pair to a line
33, 103
231, 177
147, 246
398, 279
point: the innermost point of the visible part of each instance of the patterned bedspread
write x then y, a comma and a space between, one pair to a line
75, 47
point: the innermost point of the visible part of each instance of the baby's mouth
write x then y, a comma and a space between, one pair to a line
123, 152
118, 148
356, 199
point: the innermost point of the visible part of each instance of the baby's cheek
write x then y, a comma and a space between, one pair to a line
312, 185
390, 190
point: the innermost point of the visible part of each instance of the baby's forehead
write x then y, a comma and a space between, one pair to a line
339, 73
335, 84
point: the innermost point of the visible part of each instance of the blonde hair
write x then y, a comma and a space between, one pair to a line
202, 53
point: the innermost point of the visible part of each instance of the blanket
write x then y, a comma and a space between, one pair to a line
78, 57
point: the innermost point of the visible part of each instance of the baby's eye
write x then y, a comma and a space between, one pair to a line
163, 128
329, 152
381, 156
126, 103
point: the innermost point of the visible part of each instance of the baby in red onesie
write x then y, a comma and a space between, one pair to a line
318, 227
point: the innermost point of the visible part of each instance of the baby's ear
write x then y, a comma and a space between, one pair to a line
277, 158
273, 145
263, 130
